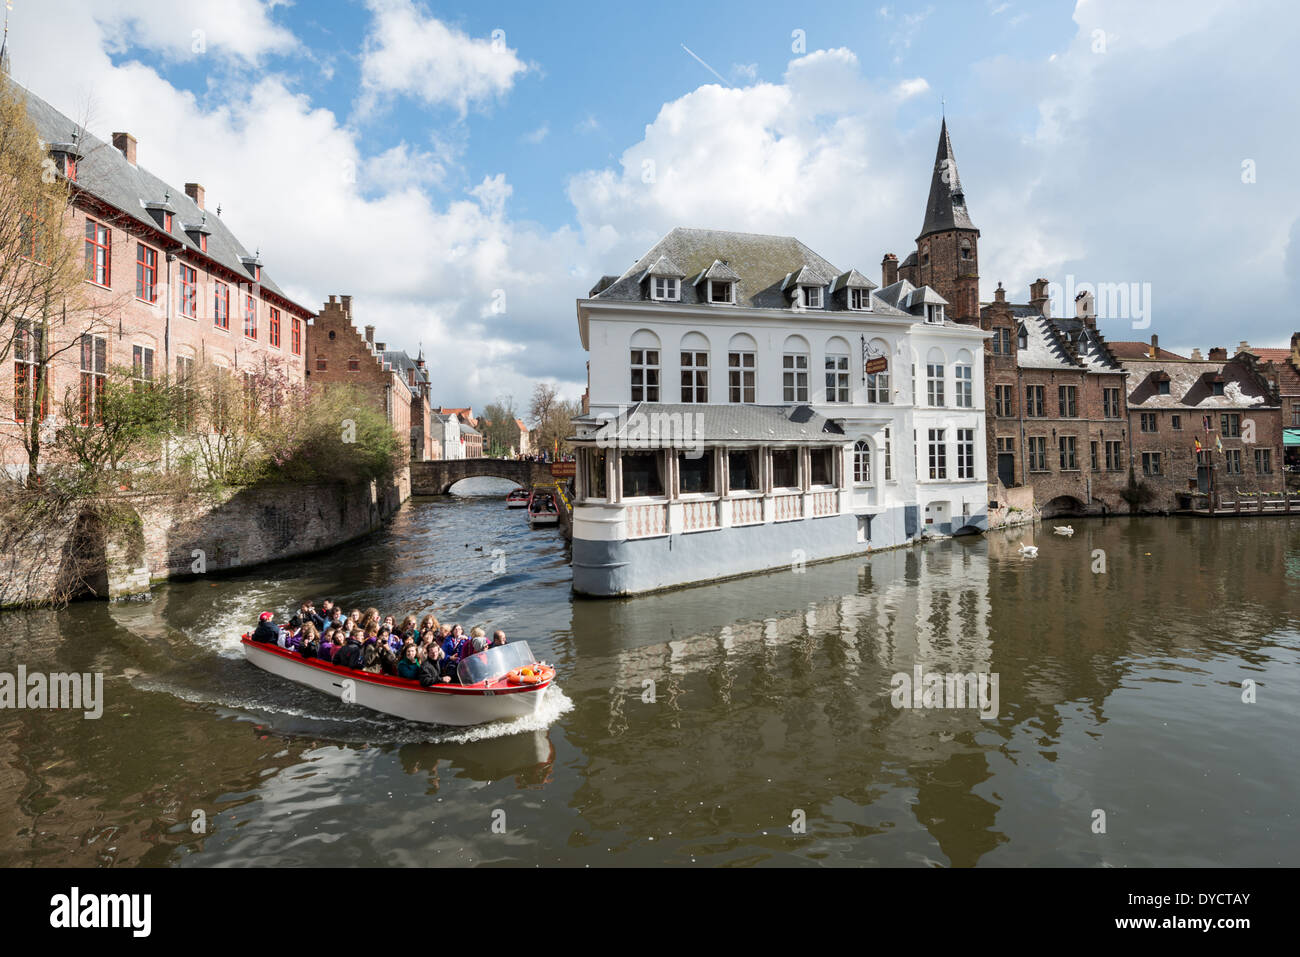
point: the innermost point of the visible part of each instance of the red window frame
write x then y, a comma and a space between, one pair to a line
146, 273
203, 242
70, 169
250, 317
167, 221
29, 351
221, 306
189, 304
99, 236
94, 368
296, 340
274, 334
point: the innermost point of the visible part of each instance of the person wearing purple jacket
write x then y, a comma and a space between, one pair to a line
325, 652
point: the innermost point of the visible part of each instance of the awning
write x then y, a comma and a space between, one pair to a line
1290, 437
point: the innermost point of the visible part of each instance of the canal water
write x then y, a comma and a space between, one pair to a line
1147, 711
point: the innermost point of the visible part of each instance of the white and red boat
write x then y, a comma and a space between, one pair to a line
542, 508
503, 682
517, 499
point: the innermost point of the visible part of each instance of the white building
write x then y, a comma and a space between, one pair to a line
446, 426
734, 425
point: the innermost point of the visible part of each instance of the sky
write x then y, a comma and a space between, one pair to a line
468, 171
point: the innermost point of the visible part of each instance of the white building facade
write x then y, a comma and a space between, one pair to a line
754, 407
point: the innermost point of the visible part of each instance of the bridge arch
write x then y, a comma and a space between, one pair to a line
438, 476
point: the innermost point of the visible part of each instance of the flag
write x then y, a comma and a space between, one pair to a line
1198, 446
1206, 420
1218, 444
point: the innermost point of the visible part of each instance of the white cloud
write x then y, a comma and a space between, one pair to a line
910, 88
537, 135
408, 52
189, 29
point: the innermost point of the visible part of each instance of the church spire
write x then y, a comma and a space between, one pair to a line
4, 43
946, 208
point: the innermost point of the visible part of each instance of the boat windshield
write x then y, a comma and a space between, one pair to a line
495, 662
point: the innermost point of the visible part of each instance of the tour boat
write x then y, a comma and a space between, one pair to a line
517, 499
541, 508
503, 682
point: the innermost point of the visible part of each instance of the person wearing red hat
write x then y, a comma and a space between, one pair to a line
266, 631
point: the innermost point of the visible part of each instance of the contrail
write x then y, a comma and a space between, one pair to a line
705, 65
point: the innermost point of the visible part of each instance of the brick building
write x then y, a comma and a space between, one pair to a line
1057, 418
1227, 404
339, 354
1282, 368
177, 288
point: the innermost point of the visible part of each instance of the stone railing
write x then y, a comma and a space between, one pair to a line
645, 521
746, 511
698, 516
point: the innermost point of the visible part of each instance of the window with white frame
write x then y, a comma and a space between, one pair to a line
963, 374
794, 370
811, 296
878, 382
837, 371
665, 289
938, 455
722, 291
860, 299
934, 383
645, 374
889, 463
740, 377
965, 453
695, 376
861, 462
934, 313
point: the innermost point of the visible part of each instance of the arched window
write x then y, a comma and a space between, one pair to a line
963, 374
644, 361
934, 378
837, 370
878, 382
742, 357
695, 368
794, 370
861, 462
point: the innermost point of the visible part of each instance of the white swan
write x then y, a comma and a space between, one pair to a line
1063, 529
1028, 551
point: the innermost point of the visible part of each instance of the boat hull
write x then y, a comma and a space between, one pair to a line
548, 519
446, 704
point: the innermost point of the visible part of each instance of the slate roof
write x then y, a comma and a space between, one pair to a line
404, 364
946, 207
1190, 385
1064, 344
656, 424
1140, 350
103, 172
852, 280
761, 262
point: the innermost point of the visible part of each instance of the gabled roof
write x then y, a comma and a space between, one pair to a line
1140, 350
1190, 385
852, 280
720, 271
104, 173
664, 268
946, 207
805, 275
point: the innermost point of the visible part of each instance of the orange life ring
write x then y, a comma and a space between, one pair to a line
514, 677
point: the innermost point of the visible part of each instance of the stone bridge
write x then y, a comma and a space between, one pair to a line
438, 476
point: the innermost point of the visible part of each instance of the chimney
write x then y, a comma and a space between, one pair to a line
195, 192
126, 143
347, 304
370, 334
889, 270
1295, 348
999, 294
1196, 356
1218, 354
1244, 346
1154, 351
1038, 297
333, 300
1085, 309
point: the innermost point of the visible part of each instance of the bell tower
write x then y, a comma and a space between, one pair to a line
947, 251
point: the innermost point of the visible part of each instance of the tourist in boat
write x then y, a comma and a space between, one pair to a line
266, 631
452, 642
409, 627
370, 659
308, 641
349, 655
435, 668
325, 650
498, 638
408, 667
336, 618
429, 626
290, 636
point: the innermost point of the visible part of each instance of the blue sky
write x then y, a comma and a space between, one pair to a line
391, 150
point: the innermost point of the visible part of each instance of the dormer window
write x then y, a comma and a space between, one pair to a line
665, 289
167, 222
933, 313
722, 291
1022, 338
811, 296
860, 299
